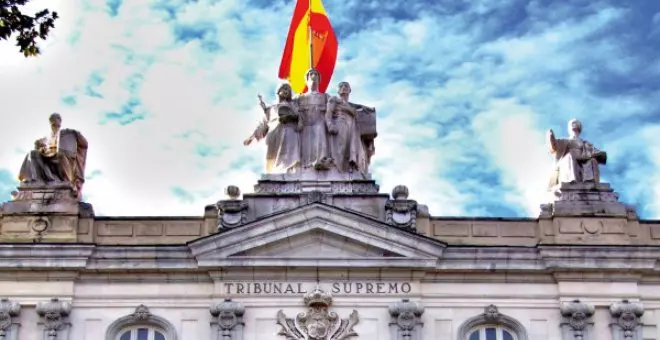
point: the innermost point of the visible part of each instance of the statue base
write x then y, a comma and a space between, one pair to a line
52, 198
44, 213
586, 199
311, 180
588, 214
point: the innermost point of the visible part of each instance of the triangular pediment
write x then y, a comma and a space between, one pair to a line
317, 235
317, 243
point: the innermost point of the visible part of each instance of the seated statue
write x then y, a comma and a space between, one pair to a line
58, 158
576, 160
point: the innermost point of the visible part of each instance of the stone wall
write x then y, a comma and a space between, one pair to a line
447, 307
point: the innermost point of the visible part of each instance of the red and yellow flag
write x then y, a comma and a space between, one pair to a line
296, 57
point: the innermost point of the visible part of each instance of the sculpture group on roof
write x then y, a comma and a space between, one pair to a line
316, 131
313, 130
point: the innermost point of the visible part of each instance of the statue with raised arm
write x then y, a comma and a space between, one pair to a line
58, 157
576, 160
346, 147
281, 128
314, 140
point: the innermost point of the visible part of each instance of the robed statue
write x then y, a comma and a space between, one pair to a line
345, 144
281, 128
576, 160
58, 157
314, 135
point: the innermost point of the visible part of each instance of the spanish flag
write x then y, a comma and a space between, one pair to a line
309, 17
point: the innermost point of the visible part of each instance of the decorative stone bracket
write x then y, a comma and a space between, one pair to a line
406, 321
626, 323
227, 321
400, 211
54, 319
9, 319
233, 211
576, 321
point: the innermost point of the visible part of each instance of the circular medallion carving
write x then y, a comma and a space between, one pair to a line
40, 224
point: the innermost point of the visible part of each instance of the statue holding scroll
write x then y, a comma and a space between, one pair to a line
59, 157
576, 160
281, 128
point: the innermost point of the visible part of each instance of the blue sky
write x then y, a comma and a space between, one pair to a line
165, 91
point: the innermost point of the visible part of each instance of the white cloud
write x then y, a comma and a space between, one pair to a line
437, 87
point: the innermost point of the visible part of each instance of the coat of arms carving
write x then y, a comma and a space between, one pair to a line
318, 323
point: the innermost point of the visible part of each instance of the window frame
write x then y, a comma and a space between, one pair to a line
151, 335
499, 331
150, 321
499, 320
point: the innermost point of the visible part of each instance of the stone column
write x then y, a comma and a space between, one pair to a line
54, 319
9, 319
227, 321
406, 323
626, 323
577, 323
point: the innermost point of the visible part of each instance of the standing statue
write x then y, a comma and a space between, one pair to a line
314, 142
346, 148
366, 123
59, 157
281, 127
576, 160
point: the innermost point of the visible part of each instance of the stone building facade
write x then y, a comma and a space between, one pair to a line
319, 258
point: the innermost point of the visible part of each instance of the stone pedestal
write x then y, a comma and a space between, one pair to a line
586, 199
588, 213
280, 192
310, 180
43, 213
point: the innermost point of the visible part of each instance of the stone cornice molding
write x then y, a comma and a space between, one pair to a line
410, 252
41, 256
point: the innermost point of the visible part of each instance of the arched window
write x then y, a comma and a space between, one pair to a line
491, 325
490, 332
141, 325
141, 333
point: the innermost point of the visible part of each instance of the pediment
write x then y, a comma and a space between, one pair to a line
317, 235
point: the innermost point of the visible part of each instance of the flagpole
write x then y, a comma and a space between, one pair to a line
311, 43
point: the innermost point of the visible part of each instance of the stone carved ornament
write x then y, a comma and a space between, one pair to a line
318, 323
406, 315
228, 314
54, 314
8, 311
577, 314
141, 314
400, 211
627, 315
233, 211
